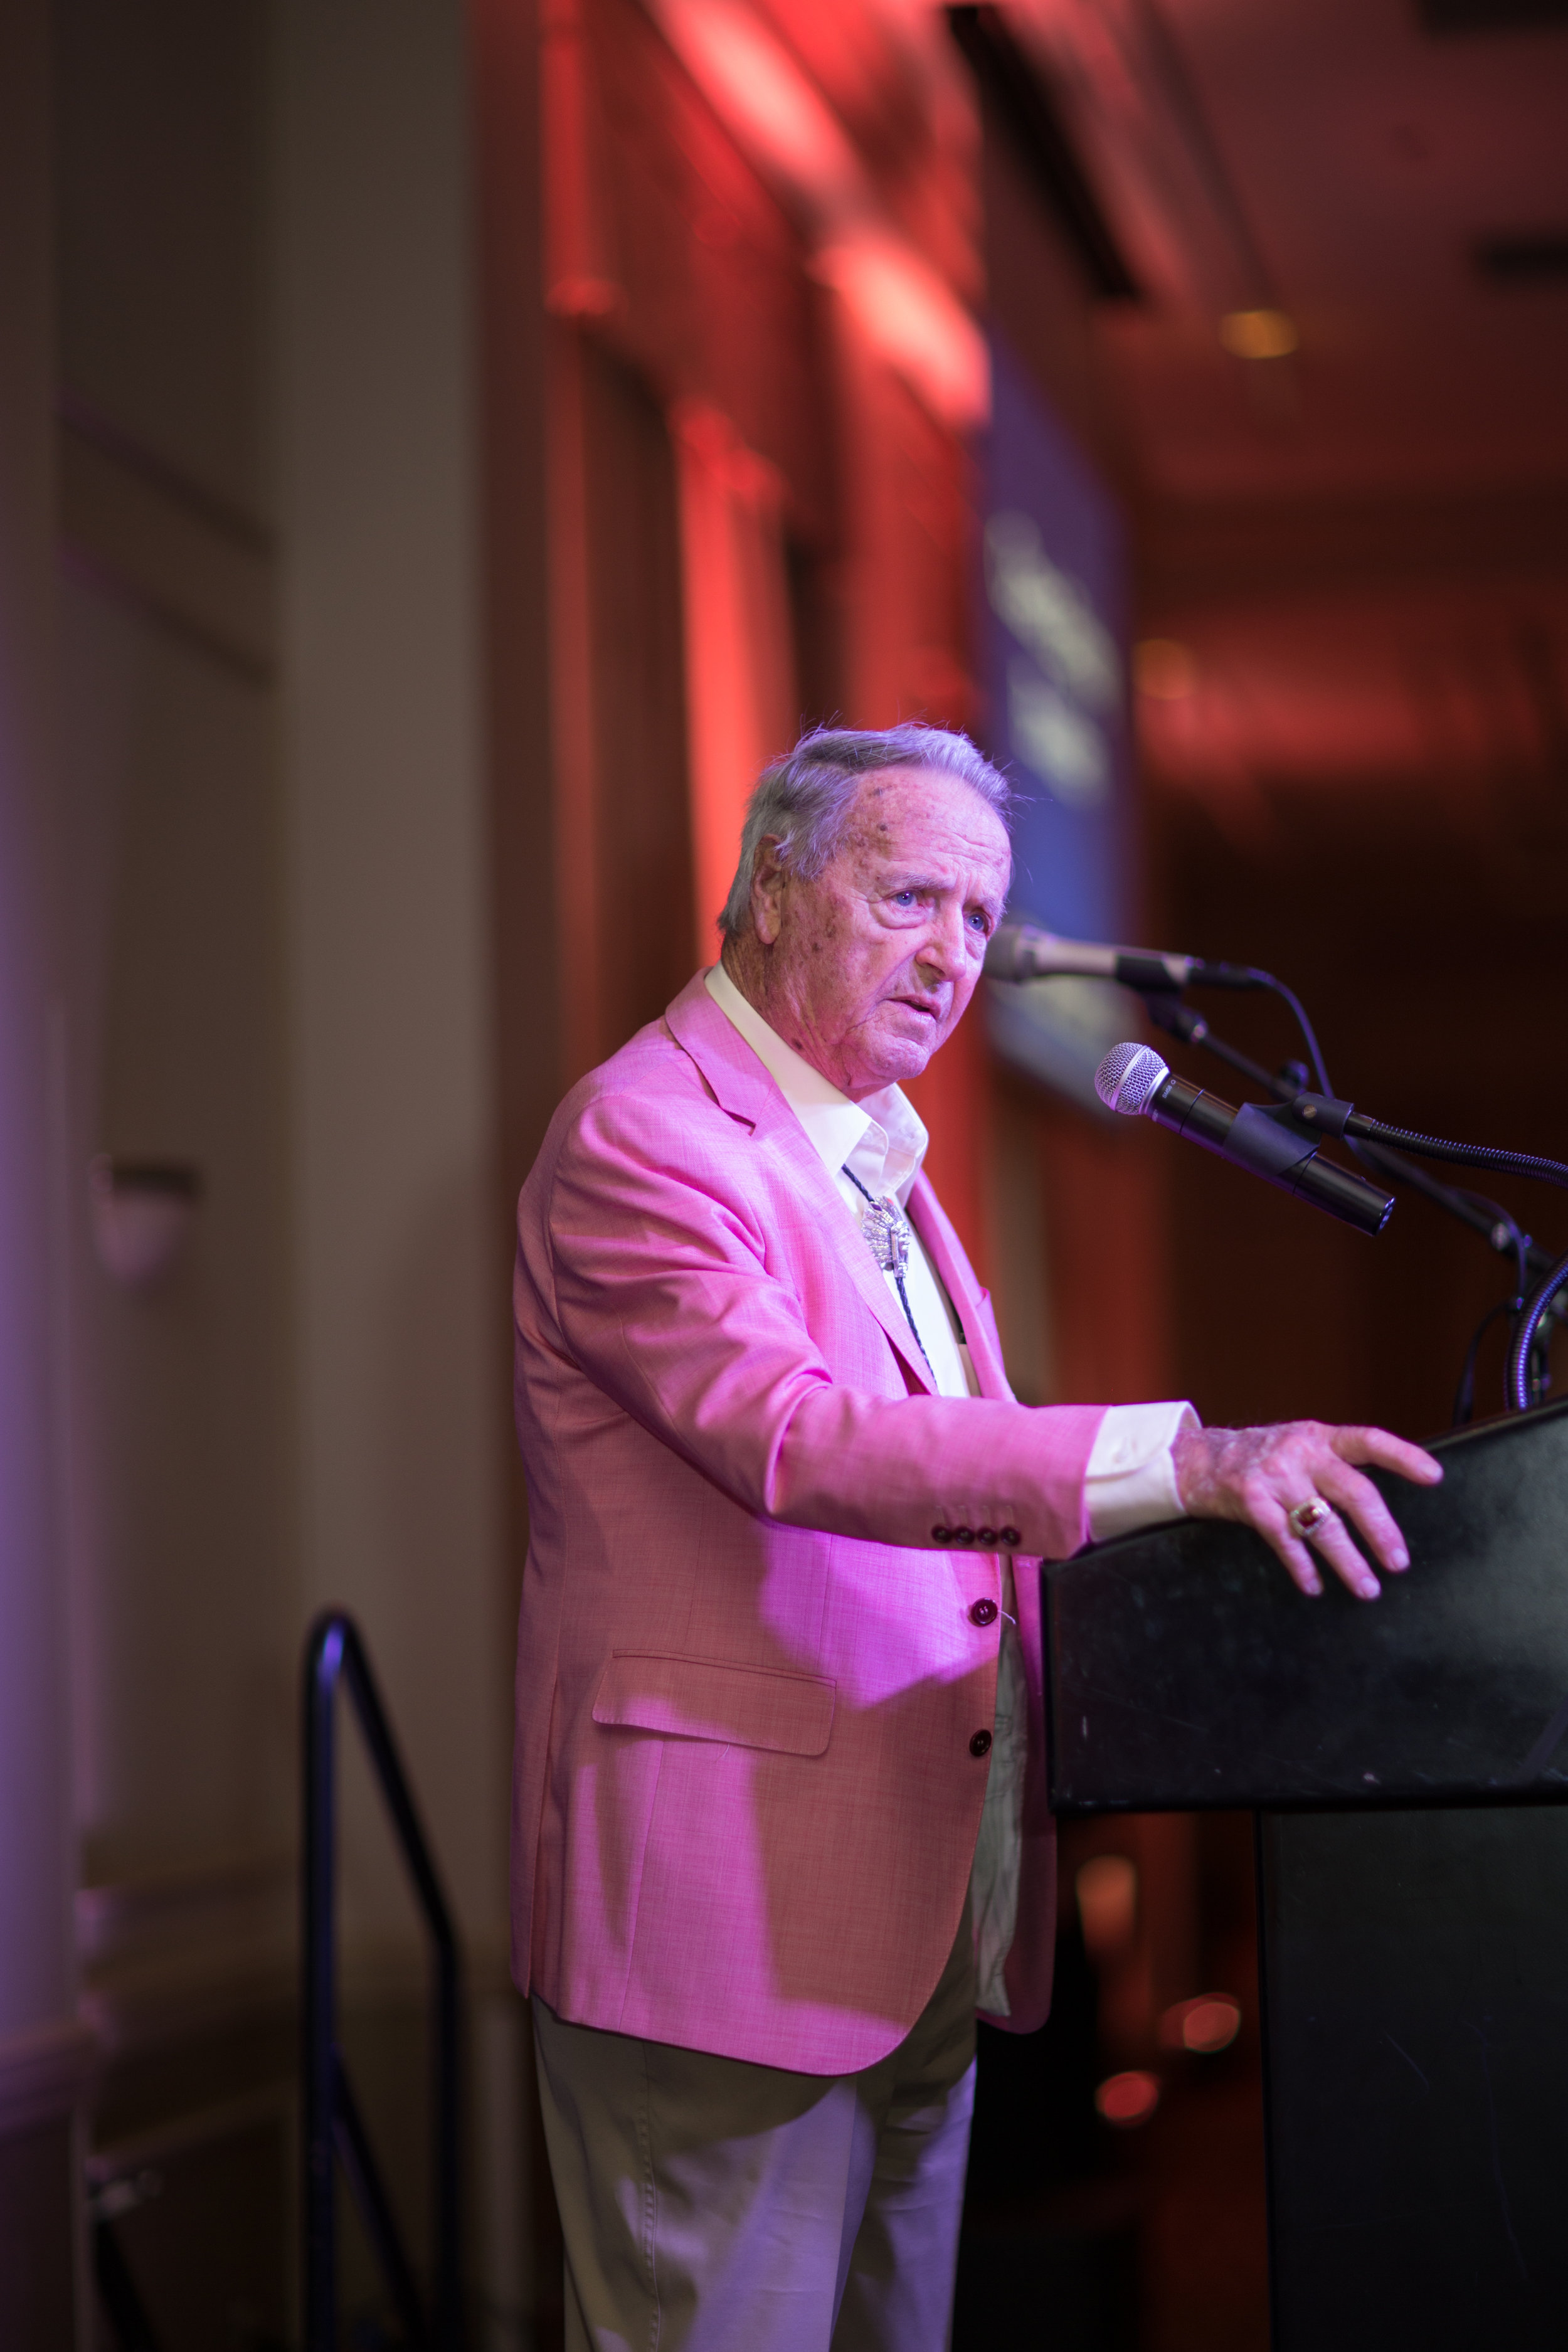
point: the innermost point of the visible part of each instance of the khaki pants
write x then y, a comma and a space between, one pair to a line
711, 2206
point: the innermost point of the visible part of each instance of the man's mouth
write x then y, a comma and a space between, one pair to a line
932, 1012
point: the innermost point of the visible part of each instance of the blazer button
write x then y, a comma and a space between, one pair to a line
1009, 1537
987, 1536
981, 1744
983, 1612
941, 1535
963, 1535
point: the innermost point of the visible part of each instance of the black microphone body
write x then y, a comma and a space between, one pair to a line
1189, 1110
1134, 1080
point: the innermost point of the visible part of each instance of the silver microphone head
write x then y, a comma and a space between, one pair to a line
1130, 1077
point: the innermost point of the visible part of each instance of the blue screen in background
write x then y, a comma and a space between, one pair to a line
1052, 641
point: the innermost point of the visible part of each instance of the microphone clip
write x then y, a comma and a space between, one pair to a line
1168, 1011
1309, 1114
1319, 1114
1272, 1138
1268, 1141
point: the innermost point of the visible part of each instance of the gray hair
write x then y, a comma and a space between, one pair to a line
804, 800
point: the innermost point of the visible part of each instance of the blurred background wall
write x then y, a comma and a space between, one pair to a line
443, 451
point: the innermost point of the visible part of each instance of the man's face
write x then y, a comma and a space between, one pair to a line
866, 969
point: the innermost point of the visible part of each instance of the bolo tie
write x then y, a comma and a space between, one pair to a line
885, 1228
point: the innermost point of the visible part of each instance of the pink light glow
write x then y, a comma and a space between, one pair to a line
1209, 2023
766, 99
906, 311
909, 316
740, 697
1128, 2099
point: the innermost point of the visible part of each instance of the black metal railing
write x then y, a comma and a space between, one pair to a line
334, 2129
117, 2292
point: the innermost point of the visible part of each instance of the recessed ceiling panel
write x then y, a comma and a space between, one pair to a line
1533, 259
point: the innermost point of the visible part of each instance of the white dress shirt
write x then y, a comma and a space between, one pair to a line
1130, 1481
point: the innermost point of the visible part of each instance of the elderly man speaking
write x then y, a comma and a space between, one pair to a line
780, 1824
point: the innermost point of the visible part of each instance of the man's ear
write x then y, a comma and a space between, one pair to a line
770, 876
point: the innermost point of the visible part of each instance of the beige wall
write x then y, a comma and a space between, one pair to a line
186, 1597
398, 1315
276, 913
276, 970
401, 1305
184, 1587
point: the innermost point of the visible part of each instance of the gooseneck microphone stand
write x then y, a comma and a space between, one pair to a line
1482, 1216
1021, 952
1383, 1148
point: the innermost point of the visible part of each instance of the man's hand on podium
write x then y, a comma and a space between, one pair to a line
1267, 1477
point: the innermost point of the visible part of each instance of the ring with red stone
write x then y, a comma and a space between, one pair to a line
1305, 1518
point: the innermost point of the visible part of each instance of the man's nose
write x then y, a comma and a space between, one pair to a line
942, 949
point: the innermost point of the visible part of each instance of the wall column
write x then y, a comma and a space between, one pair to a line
41, 2046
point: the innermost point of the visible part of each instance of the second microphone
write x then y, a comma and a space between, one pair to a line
1133, 1080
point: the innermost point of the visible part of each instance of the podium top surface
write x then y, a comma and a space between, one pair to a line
1185, 1670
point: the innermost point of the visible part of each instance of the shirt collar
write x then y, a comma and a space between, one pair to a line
880, 1140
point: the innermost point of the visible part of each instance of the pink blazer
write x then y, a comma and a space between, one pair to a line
749, 1681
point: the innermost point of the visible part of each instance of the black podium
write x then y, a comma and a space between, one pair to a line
1408, 1760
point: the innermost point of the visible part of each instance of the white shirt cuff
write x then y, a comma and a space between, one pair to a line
1132, 1478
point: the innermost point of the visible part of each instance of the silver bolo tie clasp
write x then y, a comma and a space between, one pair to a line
882, 1222
886, 1231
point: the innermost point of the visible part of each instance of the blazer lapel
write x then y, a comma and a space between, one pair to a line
929, 1221
789, 1139
740, 1084
747, 1090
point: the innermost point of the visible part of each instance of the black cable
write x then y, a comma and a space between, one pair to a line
1520, 1385
1427, 1147
1251, 975
1526, 1383
890, 1211
1517, 1240
1309, 1034
1530, 1349
1167, 1011
1541, 1365
1465, 1394
1446, 1197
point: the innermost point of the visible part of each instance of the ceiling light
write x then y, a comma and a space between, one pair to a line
1259, 334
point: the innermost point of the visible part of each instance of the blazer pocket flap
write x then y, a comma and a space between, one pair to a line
705, 1698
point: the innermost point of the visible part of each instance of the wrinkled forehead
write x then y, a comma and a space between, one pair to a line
925, 818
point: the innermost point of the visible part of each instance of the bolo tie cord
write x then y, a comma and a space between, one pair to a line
892, 1220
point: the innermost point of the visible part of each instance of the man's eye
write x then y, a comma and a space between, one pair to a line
904, 897
981, 921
